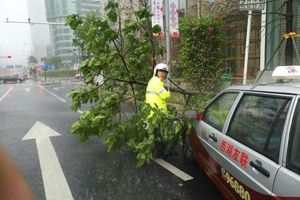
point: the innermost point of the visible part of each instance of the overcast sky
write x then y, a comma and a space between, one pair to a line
14, 37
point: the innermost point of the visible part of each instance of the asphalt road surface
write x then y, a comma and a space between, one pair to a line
35, 131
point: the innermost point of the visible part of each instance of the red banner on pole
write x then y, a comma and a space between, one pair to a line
173, 18
157, 18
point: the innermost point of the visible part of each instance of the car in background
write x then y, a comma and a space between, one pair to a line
12, 78
248, 140
25, 76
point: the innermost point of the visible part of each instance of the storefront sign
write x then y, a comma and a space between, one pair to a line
252, 4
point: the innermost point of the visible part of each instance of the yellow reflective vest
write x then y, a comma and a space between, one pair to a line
156, 94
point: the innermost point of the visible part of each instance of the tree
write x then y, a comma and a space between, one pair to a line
121, 48
55, 60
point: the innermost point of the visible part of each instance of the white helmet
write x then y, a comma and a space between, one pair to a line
160, 67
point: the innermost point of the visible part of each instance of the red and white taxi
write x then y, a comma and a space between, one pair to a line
248, 140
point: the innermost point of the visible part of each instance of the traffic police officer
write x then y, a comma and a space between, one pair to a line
156, 93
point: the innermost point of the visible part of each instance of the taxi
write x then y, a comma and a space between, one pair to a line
248, 139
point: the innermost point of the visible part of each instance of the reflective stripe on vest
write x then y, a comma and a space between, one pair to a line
161, 91
151, 92
157, 93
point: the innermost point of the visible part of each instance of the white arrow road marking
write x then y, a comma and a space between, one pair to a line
27, 89
184, 176
55, 183
59, 98
6, 93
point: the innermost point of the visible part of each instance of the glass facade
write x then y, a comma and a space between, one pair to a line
236, 29
85, 6
61, 36
276, 28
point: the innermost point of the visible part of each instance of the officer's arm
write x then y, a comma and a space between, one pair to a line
163, 93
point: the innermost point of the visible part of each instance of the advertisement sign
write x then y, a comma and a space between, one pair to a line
252, 5
157, 18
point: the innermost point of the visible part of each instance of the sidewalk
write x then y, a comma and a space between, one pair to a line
56, 80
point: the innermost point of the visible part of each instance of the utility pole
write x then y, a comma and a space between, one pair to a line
168, 44
289, 28
199, 8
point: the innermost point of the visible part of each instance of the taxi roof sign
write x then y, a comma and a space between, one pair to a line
287, 72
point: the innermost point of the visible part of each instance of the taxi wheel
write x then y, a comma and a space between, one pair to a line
187, 149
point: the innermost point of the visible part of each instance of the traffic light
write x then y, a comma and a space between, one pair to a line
5, 57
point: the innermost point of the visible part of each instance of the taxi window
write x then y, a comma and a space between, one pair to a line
216, 113
258, 123
293, 157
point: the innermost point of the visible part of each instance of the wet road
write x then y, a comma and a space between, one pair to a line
84, 170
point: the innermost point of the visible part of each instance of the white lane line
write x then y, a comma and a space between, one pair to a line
6, 93
79, 111
59, 98
184, 176
27, 89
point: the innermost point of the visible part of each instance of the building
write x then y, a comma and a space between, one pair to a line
275, 28
267, 30
85, 6
61, 36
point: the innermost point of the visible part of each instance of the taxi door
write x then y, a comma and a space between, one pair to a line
288, 177
209, 132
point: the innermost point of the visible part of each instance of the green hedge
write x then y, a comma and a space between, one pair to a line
60, 73
201, 51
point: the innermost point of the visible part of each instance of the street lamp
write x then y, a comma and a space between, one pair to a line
33, 23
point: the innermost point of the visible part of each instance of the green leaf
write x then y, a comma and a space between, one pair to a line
112, 16
156, 29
